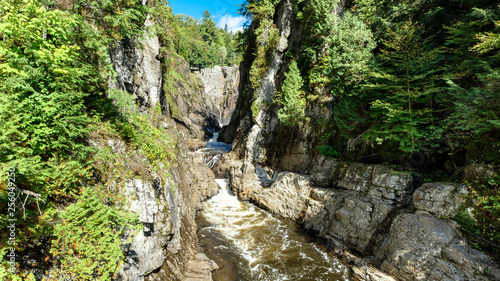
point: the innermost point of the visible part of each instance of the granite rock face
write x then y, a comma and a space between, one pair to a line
138, 69
345, 217
422, 247
377, 180
221, 90
145, 253
167, 247
440, 199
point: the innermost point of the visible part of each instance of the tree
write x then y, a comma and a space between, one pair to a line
209, 29
291, 97
405, 86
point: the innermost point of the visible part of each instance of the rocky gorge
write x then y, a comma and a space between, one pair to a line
383, 223
167, 248
292, 165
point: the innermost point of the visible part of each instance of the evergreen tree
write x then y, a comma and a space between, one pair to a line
291, 97
405, 91
209, 29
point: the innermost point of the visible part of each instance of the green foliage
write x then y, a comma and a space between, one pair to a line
203, 43
476, 110
153, 141
88, 239
291, 97
328, 151
483, 223
405, 91
44, 84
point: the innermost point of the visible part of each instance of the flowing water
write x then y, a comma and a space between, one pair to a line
250, 244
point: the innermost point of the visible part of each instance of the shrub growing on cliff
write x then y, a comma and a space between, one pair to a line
89, 237
44, 81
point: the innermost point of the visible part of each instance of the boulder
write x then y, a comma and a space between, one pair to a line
441, 199
367, 273
286, 197
422, 247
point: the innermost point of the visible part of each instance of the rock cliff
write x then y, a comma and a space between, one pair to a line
221, 90
167, 247
368, 214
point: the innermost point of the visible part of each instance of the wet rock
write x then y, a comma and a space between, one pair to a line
440, 199
422, 247
200, 268
286, 197
367, 273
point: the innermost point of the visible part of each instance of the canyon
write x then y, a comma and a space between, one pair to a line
384, 224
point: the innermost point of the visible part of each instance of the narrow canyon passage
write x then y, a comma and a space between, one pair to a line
248, 243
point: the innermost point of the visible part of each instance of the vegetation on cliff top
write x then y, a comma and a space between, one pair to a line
400, 75
203, 44
54, 101
408, 83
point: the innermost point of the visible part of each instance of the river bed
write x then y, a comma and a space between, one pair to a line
250, 244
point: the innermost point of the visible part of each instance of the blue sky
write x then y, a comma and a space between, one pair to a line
223, 11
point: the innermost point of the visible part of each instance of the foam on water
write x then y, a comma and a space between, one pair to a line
268, 248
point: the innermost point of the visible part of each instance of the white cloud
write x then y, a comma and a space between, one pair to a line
233, 23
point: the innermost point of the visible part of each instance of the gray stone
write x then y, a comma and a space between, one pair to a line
221, 90
287, 196
323, 171
422, 247
367, 273
441, 199
200, 268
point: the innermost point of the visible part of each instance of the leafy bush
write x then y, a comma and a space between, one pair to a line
88, 239
482, 225
328, 151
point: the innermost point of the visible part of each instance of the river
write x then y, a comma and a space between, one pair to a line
250, 244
